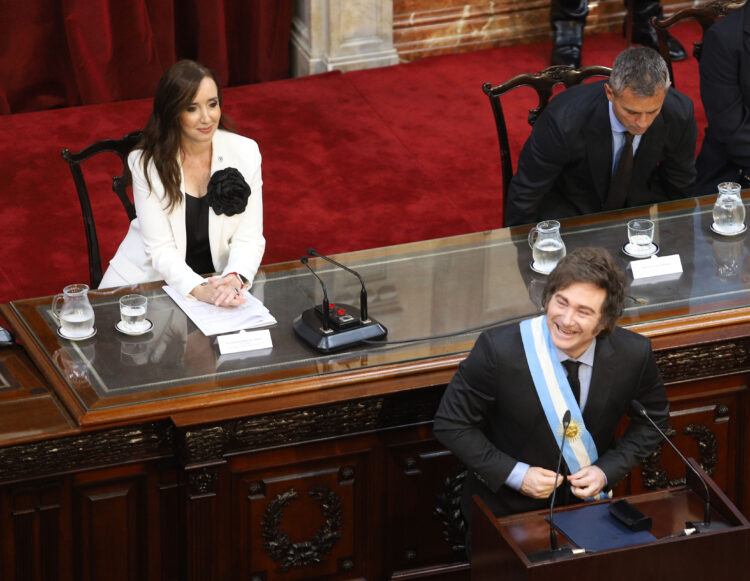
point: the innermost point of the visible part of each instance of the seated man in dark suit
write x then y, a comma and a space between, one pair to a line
501, 413
725, 92
570, 166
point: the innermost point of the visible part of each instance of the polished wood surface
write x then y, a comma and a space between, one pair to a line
177, 464
504, 546
711, 294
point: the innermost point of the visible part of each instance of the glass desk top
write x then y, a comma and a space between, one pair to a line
442, 292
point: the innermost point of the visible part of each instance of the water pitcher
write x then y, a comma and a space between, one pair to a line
547, 246
729, 211
74, 311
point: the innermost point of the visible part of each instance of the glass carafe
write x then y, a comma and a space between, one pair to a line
74, 312
729, 211
547, 246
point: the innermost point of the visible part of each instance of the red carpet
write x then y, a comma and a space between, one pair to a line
350, 161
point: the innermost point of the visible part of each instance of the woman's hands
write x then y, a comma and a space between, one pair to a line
225, 291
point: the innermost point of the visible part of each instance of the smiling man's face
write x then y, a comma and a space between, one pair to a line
574, 316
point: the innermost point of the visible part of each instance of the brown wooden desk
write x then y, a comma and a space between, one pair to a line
506, 548
155, 458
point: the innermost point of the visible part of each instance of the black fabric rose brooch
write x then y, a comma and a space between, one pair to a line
228, 192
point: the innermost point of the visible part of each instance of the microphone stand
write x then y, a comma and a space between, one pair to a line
342, 326
362, 293
699, 527
554, 551
324, 306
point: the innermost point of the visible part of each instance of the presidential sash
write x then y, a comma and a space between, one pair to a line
553, 389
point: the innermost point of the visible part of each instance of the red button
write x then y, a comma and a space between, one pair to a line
331, 305
341, 312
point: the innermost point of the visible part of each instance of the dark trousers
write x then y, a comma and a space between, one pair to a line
577, 10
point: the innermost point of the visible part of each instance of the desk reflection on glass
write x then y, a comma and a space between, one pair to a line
441, 290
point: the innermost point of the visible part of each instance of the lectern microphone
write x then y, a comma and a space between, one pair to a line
324, 305
334, 326
362, 293
555, 552
700, 527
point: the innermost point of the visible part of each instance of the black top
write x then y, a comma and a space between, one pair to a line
198, 253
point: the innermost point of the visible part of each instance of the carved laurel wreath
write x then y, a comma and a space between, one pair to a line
448, 509
278, 544
654, 476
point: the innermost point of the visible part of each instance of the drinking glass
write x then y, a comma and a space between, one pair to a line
640, 237
133, 313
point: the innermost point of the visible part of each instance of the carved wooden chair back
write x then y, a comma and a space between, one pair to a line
706, 14
122, 147
543, 83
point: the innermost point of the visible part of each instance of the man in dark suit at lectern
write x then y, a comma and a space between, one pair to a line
501, 413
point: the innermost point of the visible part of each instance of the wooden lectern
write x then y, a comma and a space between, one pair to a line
501, 546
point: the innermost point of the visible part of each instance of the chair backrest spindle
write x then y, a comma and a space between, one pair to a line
121, 147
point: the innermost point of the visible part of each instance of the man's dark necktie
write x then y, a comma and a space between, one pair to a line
571, 368
618, 189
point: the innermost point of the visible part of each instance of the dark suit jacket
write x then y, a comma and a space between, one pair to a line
490, 415
725, 92
565, 166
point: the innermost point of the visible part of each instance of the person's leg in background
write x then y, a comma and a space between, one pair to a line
644, 33
568, 18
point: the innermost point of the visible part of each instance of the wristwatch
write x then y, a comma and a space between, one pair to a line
243, 280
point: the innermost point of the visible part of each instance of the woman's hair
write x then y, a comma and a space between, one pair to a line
161, 136
595, 266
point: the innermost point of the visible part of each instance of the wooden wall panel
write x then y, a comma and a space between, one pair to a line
706, 419
110, 526
168, 501
37, 514
306, 513
420, 496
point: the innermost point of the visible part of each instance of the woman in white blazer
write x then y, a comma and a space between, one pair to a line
197, 190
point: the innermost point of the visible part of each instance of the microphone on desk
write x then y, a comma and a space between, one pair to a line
362, 293
554, 551
343, 325
706, 525
324, 306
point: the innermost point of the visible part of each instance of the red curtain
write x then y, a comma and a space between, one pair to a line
59, 53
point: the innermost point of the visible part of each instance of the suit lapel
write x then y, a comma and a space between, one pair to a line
215, 222
598, 135
177, 217
599, 392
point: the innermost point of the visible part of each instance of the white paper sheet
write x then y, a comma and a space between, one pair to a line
244, 341
213, 320
656, 266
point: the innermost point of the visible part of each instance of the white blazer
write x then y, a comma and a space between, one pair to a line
155, 245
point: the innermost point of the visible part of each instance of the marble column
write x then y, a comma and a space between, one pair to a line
341, 35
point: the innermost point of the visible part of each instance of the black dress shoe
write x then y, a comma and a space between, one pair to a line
644, 33
568, 39
570, 56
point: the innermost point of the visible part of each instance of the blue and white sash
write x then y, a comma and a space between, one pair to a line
553, 389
